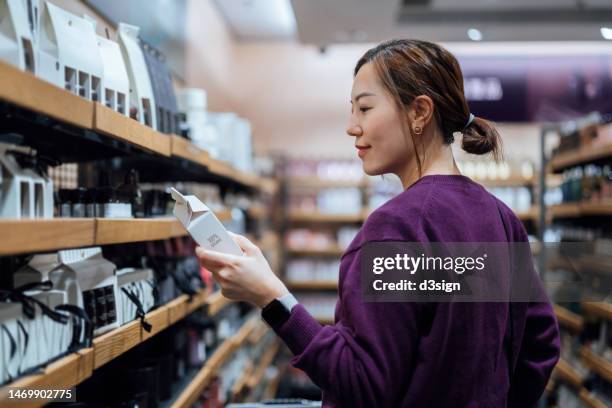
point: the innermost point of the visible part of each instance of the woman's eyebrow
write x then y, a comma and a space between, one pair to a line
363, 94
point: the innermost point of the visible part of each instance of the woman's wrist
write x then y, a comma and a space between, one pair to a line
274, 293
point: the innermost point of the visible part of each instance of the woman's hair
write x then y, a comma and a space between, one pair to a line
409, 68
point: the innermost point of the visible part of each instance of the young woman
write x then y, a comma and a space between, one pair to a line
407, 104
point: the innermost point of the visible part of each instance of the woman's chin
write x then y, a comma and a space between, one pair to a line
372, 169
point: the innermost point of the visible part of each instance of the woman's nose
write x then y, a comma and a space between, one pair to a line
353, 129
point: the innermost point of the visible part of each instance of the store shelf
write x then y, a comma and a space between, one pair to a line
312, 285
513, 181
568, 318
76, 367
599, 309
566, 372
181, 147
25, 90
315, 217
584, 154
216, 302
325, 320
263, 364
320, 252
26, 236
115, 231
593, 263
121, 127
191, 393
575, 210
530, 215
596, 363
315, 182
590, 400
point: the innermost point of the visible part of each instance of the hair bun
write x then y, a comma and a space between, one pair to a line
481, 137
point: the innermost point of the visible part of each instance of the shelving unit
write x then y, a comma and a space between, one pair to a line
76, 367
568, 318
584, 154
315, 217
565, 371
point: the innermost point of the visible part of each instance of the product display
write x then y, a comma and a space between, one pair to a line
26, 192
75, 42
116, 80
141, 97
136, 288
163, 91
17, 44
192, 103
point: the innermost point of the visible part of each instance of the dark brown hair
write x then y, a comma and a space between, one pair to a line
409, 68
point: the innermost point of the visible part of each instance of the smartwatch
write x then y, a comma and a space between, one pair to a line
278, 311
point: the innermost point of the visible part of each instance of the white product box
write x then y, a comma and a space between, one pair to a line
70, 41
23, 192
140, 283
243, 151
141, 91
116, 80
202, 224
11, 341
224, 123
17, 44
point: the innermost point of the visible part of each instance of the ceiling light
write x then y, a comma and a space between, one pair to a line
474, 34
606, 33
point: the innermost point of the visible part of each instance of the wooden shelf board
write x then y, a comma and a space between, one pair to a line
216, 302
313, 285
600, 309
315, 182
600, 264
25, 236
263, 364
325, 320
331, 251
590, 400
303, 216
584, 154
573, 210
513, 181
568, 318
116, 342
566, 210
183, 148
598, 364
113, 231
565, 371
26, 90
191, 393
596, 208
529, 215
129, 130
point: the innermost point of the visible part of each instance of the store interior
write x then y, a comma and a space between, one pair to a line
106, 105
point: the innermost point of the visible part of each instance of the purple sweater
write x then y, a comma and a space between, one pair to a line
407, 354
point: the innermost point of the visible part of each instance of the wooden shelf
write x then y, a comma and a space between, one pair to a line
325, 320
121, 127
322, 252
590, 400
304, 217
566, 372
313, 285
216, 302
181, 147
315, 182
574, 210
596, 363
26, 236
77, 367
593, 263
26, 90
191, 393
114, 231
568, 210
513, 181
263, 364
568, 318
584, 154
529, 215
599, 309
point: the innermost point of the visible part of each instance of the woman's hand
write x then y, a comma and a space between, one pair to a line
245, 278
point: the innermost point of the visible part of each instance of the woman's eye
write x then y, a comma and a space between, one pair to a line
364, 110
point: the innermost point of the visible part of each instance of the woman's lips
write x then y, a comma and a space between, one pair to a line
362, 150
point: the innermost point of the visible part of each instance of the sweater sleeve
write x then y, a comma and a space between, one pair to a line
539, 350
362, 361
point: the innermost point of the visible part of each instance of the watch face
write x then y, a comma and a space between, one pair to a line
275, 313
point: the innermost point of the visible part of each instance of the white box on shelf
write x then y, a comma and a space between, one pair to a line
141, 91
17, 45
116, 80
73, 40
224, 123
138, 282
48, 60
243, 151
24, 193
202, 224
11, 341
88, 279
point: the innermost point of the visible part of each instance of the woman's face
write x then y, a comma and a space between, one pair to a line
376, 125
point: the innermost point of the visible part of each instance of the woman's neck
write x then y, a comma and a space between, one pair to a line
436, 159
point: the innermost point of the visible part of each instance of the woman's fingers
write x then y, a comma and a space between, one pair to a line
245, 244
215, 256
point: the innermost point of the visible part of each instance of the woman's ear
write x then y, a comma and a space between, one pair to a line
421, 111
